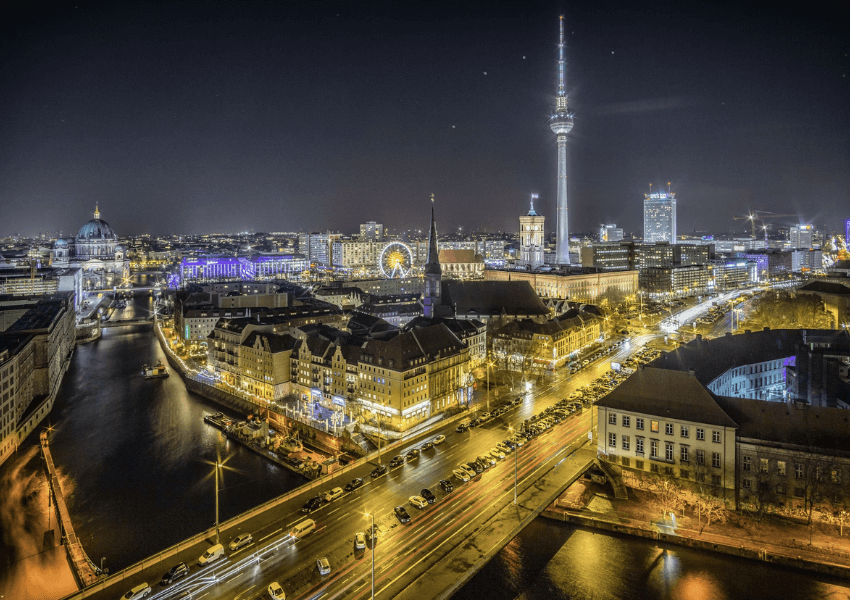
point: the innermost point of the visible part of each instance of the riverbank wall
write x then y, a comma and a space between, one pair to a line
749, 551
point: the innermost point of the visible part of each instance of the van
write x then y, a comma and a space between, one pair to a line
303, 528
213, 554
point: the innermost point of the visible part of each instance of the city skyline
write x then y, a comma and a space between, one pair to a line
119, 110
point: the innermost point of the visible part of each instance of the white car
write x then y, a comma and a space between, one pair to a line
323, 565
240, 541
332, 495
467, 469
359, 540
140, 591
439, 439
496, 453
276, 592
504, 448
461, 474
485, 416
418, 501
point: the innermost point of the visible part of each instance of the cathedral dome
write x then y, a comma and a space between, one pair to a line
60, 243
96, 229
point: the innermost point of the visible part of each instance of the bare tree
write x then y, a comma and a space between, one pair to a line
666, 490
707, 499
759, 471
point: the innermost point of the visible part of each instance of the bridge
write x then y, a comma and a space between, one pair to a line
126, 322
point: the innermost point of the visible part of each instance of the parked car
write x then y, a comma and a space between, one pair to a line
428, 495
475, 422
240, 541
497, 453
396, 461
462, 427
447, 485
323, 565
439, 439
414, 453
426, 446
359, 540
378, 471
212, 554
478, 468
176, 572
461, 474
401, 514
140, 591
354, 484
466, 468
374, 532
276, 592
311, 505
418, 501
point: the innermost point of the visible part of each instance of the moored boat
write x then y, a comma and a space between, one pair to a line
155, 372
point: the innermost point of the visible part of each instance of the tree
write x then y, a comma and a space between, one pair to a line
666, 490
761, 473
707, 499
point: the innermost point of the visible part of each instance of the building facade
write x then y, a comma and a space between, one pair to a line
659, 217
580, 287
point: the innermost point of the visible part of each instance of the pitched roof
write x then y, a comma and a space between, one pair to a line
276, 343
492, 298
803, 425
667, 394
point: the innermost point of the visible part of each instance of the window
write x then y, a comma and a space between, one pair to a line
639, 464
700, 457
668, 451
798, 471
715, 437
653, 426
668, 428
700, 476
715, 460
685, 431
700, 433
626, 421
653, 467
748, 463
639, 423
683, 454
653, 448
764, 465
835, 476
626, 442
715, 480
612, 440
638, 444
780, 467
626, 461
612, 418
746, 484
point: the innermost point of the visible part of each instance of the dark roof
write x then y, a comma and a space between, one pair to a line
410, 345
826, 287
667, 394
492, 298
783, 423
711, 358
276, 343
462, 328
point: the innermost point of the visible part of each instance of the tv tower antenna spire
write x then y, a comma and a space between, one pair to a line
561, 124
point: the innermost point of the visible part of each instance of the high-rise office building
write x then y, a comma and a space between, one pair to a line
561, 123
531, 238
659, 217
371, 232
610, 233
801, 236
847, 232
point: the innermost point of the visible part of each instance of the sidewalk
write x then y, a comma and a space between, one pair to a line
774, 539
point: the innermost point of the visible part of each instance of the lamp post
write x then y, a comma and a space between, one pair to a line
217, 466
374, 542
489, 365
516, 461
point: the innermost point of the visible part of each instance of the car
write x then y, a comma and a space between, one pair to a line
426, 446
374, 532
276, 592
509, 443
378, 471
397, 460
359, 540
486, 460
439, 439
323, 565
475, 422
447, 485
176, 572
418, 501
475, 466
497, 453
516, 401
462, 427
461, 474
428, 495
311, 505
332, 495
414, 453
401, 514
485, 416
518, 440
240, 541
503, 448
467, 469
140, 591
354, 484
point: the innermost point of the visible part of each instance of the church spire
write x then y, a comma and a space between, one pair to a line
433, 265
433, 271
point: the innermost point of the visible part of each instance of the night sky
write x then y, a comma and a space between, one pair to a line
203, 117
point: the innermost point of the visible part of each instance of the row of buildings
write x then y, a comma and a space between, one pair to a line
703, 416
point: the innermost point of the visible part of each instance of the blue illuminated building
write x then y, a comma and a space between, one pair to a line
243, 269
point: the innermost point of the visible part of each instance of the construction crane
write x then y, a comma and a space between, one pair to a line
760, 215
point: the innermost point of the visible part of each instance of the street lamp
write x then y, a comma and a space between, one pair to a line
374, 542
489, 365
516, 461
217, 467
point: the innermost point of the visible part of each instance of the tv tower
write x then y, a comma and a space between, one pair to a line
561, 123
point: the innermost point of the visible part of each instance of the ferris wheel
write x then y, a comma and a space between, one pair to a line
396, 260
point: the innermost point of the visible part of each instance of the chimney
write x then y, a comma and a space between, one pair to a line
691, 372
699, 336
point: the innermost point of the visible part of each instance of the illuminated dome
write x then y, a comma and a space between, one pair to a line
60, 242
96, 229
